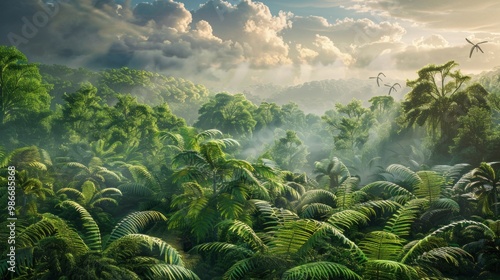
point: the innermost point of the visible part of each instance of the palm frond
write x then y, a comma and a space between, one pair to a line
320, 270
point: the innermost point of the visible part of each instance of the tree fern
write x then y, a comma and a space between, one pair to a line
320, 270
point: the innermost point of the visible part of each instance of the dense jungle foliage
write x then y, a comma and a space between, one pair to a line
112, 183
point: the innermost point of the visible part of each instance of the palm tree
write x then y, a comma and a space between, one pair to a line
334, 169
438, 98
485, 183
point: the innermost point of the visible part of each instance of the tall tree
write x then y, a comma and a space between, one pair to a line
229, 113
438, 97
24, 101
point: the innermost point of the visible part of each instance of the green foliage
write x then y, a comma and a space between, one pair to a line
231, 114
23, 96
320, 270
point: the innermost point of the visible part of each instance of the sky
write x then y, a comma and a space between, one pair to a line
233, 44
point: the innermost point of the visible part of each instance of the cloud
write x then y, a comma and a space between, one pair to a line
250, 24
434, 49
459, 15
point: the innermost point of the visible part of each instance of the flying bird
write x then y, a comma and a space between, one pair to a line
393, 87
378, 78
475, 46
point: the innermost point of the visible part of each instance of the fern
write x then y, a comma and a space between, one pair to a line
92, 234
389, 270
402, 176
391, 188
166, 252
380, 245
420, 244
264, 264
430, 185
320, 270
134, 223
400, 223
346, 219
169, 271
246, 233
315, 210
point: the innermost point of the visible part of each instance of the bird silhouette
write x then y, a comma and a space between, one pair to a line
393, 87
378, 78
475, 46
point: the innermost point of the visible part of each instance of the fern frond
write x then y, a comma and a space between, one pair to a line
92, 234
417, 247
166, 253
246, 233
389, 270
400, 223
376, 188
320, 270
134, 223
169, 271
380, 245
313, 210
221, 248
264, 264
430, 185
346, 219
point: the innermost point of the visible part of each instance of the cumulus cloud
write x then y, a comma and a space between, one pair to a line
462, 15
252, 25
228, 43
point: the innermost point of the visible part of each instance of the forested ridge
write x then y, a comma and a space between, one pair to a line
112, 183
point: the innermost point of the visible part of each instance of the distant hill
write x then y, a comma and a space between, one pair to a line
320, 96
183, 97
